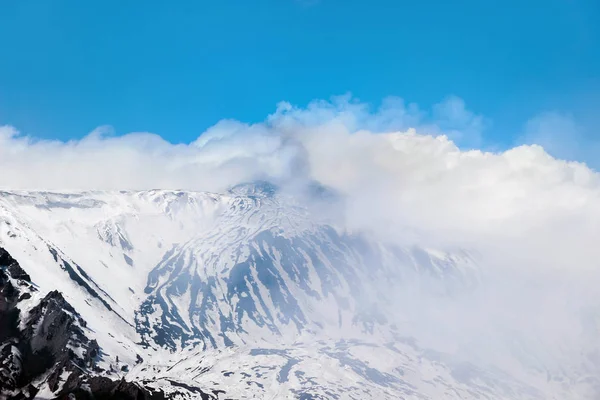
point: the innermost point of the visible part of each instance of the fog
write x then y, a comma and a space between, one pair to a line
408, 177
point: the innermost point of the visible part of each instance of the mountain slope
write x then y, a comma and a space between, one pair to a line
206, 266
251, 292
45, 351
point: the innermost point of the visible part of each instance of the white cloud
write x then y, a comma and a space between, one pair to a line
562, 137
453, 119
344, 145
398, 178
557, 133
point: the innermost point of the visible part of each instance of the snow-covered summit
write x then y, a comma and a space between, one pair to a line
165, 275
212, 267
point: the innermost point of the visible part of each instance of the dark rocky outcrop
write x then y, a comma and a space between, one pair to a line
49, 341
101, 388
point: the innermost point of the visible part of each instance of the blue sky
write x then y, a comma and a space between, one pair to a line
70, 66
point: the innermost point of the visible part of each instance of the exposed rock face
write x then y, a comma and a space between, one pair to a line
101, 388
14, 284
44, 344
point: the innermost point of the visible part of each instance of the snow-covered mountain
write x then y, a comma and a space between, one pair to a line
252, 293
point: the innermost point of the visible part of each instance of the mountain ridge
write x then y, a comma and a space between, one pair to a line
250, 281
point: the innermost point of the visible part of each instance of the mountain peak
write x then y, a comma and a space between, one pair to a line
258, 188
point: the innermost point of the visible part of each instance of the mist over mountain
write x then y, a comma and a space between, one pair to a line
263, 291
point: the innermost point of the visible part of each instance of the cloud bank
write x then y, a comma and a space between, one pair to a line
400, 166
